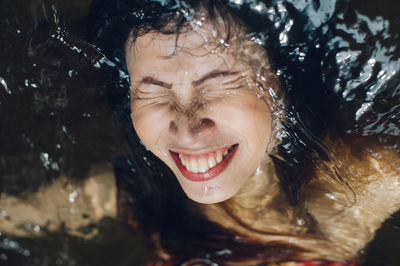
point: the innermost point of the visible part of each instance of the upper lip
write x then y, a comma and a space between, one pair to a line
198, 152
211, 172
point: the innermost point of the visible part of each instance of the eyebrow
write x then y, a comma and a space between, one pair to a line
151, 80
214, 74
210, 75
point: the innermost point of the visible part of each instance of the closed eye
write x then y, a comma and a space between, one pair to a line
237, 80
223, 85
148, 80
150, 91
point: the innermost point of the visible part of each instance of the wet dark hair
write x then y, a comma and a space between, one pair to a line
116, 22
147, 186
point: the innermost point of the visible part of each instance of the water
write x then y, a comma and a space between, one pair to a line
55, 121
110, 247
55, 118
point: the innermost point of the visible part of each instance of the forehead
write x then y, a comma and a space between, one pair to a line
168, 45
194, 52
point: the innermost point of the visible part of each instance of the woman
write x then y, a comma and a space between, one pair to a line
270, 176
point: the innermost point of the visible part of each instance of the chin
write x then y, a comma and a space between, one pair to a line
211, 191
210, 197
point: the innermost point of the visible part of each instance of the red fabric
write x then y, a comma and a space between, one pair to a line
161, 263
297, 263
330, 263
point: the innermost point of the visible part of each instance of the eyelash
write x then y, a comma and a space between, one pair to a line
162, 92
142, 94
222, 88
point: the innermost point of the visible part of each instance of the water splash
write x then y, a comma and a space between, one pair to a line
57, 123
4, 84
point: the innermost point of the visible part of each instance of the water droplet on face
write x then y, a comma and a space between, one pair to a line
72, 196
205, 190
259, 170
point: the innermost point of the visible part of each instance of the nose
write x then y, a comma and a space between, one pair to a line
189, 131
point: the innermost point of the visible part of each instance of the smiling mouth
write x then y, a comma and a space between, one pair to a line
203, 167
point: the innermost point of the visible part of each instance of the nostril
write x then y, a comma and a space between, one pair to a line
207, 123
191, 126
173, 126
203, 125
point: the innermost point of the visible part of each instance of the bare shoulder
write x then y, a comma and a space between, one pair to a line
351, 204
369, 168
62, 205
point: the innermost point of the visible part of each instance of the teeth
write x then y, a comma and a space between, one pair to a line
203, 164
219, 157
211, 162
182, 160
193, 166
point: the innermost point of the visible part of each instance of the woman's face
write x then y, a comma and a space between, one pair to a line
195, 106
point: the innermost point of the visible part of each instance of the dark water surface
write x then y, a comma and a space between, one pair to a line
112, 246
54, 115
54, 119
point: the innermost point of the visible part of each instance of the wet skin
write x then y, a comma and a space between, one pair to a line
195, 107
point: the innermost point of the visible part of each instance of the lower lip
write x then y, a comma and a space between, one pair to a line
210, 174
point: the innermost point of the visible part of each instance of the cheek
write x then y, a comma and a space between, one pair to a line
149, 126
262, 122
248, 116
